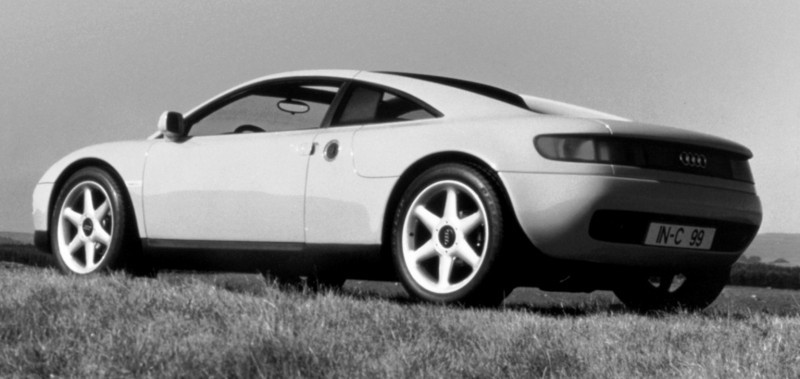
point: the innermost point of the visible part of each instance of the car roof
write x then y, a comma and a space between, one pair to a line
475, 87
451, 97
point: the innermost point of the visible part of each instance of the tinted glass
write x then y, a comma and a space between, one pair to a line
369, 105
270, 108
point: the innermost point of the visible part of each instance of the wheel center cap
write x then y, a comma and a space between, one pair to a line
87, 227
447, 236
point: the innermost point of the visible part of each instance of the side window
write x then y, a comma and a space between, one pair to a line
270, 108
371, 105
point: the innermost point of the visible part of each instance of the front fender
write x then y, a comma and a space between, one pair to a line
125, 160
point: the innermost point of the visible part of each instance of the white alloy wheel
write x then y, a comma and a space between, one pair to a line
667, 283
85, 227
448, 233
449, 255
88, 223
693, 290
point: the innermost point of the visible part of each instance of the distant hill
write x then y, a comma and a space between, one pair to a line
771, 247
15, 238
9, 241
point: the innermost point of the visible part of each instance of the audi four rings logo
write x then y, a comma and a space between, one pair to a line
695, 160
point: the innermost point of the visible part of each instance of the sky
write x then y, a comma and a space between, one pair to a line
83, 72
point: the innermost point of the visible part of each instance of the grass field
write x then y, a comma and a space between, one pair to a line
189, 325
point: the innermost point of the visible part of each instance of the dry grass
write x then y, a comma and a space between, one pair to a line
237, 326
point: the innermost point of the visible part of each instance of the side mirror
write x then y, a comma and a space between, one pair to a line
170, 124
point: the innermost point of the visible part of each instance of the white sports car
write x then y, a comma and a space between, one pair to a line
460, 190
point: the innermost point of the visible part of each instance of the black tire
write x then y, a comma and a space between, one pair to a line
459, 239
692, 291
90, 238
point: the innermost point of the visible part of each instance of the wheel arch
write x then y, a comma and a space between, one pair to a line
417, 168
76, 166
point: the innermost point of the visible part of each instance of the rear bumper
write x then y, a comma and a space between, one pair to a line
604, 219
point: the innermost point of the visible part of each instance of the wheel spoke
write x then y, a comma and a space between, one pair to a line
664, 283
88, 204
467, 254
102, 210
424, 252
445, 268
74, 245
73, 217
428, 219
667, 282
102, 236
469, 223
451, 205
90, 250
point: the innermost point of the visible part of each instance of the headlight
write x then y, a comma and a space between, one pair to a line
589, 149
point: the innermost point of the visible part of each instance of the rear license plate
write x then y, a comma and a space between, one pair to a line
682, 236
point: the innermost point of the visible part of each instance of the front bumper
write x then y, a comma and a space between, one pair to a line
556, 212
41, 205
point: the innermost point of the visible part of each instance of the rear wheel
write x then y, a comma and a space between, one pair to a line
448, 235
89, 223
671, 291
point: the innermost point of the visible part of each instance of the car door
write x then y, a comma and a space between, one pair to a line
240, 173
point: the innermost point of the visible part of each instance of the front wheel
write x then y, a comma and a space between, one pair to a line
691, 291
448, 235
89, 223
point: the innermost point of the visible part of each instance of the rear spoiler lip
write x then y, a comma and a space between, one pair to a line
558, 108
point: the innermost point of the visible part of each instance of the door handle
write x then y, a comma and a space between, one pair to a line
305, 148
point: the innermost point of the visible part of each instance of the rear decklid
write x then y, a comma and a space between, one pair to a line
669, 134
683, 151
